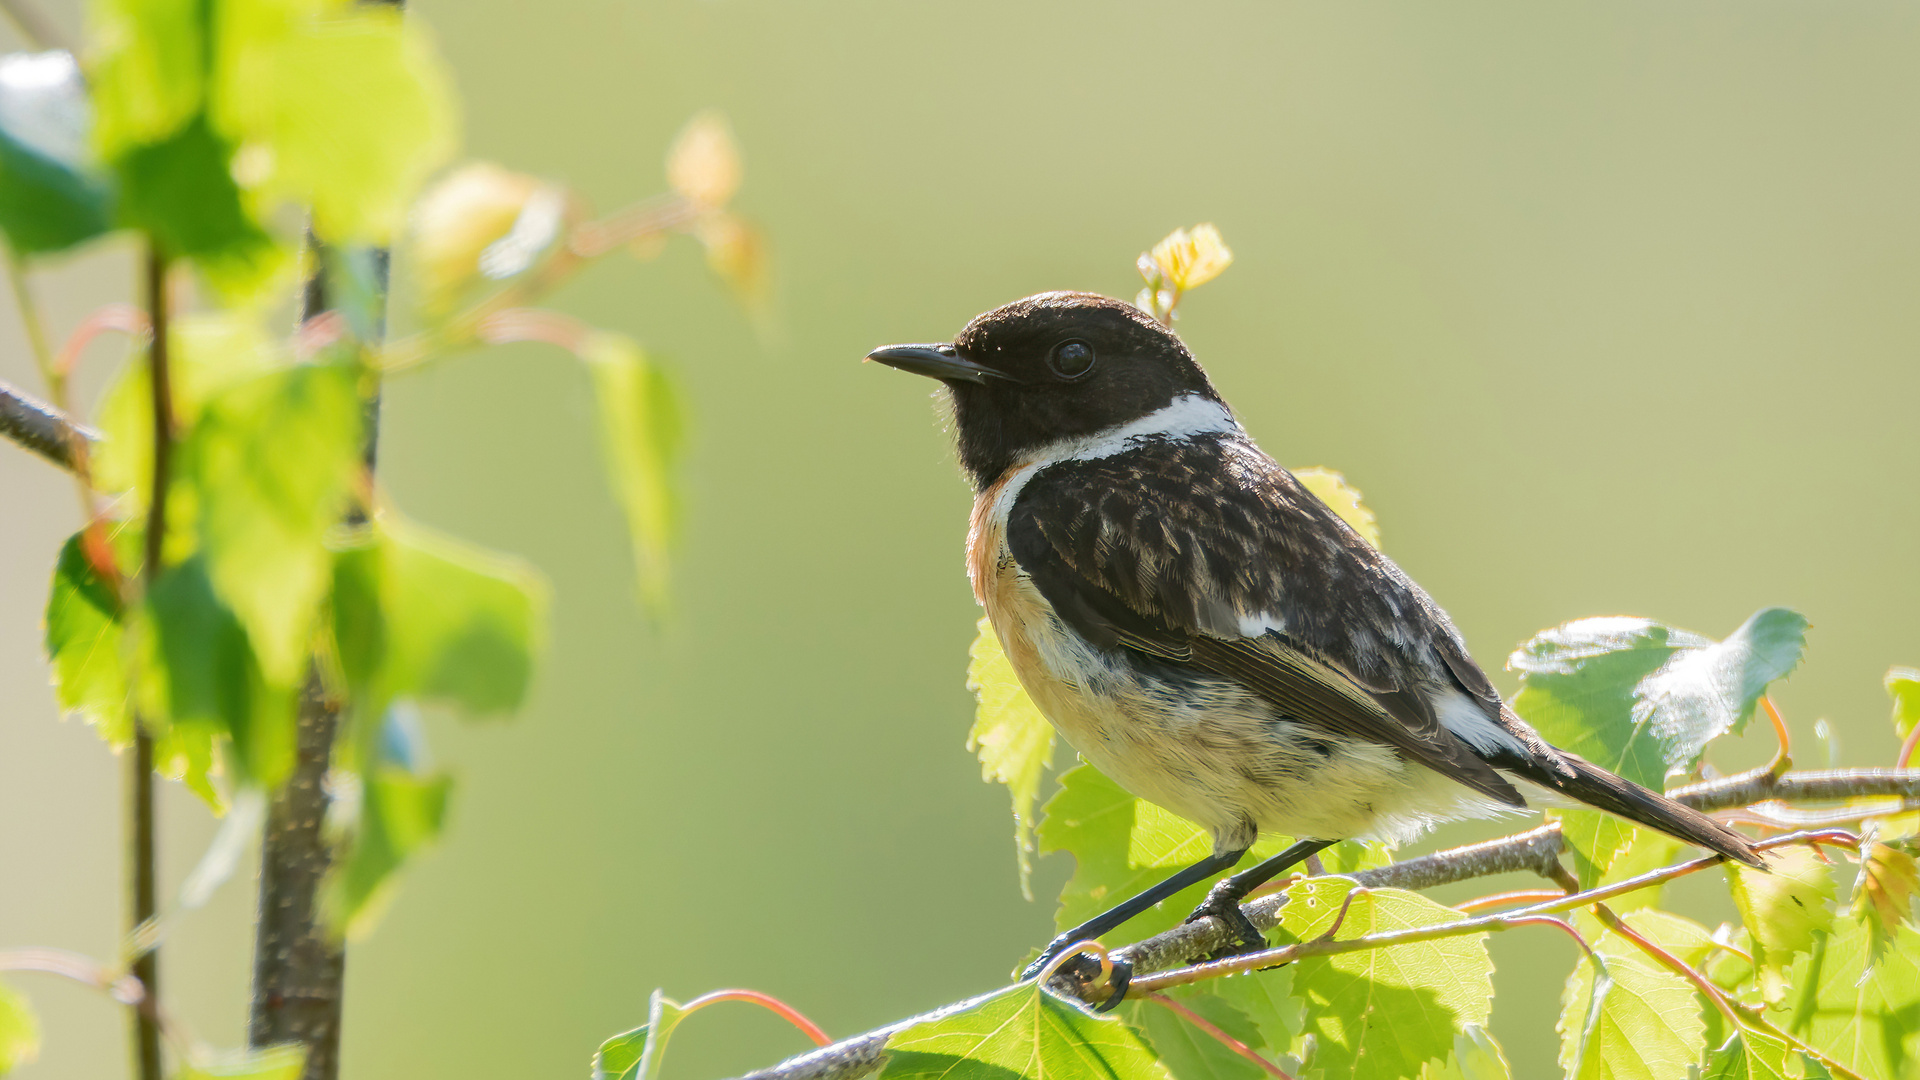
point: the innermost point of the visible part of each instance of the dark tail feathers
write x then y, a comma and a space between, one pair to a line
1601, 789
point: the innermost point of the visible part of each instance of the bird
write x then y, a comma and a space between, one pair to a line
1207, 632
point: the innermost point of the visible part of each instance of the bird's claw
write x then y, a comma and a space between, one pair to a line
1225, 906
1085, 971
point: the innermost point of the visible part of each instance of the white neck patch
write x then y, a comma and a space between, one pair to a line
1186, 417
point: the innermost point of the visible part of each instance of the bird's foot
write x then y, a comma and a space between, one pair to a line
1224, 904
1084, 971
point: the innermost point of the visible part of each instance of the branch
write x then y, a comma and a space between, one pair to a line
1536, 851
40, 427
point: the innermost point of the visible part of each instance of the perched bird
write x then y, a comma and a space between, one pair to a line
1206, 631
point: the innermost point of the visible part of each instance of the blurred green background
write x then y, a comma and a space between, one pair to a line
1607, 308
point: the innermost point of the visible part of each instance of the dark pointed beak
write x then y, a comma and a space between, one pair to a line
934, 361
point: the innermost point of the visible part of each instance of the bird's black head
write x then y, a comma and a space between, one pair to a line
1055, 366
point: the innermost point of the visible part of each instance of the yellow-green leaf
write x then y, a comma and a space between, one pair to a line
1023, 1032
1903, 686
19, 1030
1854, 1001
1748, 1055
463, 625
1476, 1056
640, 437
703, 164
1384, 1012
347, 110
272, 460
1632, 1021
457, 219
1784, 909
1189, 258
1014, 742
1343, 498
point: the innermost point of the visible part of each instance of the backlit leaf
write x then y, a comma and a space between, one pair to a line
1384, 1012
180, 190
1025, 1032
618, 1058
52, 193
458, 218
1642, 699
1190, 1053
1267, 999
84, 645
703, 164
1189, 258
19, 1030
1784, 909
1748, 1055
272, 460
1887, 886
1343, 498
640, 436
1013, 741
1634, 1021
1903, 686
146, 66
348, 110
402, 813
463, 625
1856, 1003
213, 679
1476, 1056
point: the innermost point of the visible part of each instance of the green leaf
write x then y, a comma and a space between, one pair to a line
1855, 1004
1634, 1021
282, 1062
181, 192
640, 436
212, 677
463, 625
1903, 686
1785, 909
1641, 699
1266, 998
1384, 1011
1014, 742
348, 109
1120, 846
52, 196
663, 1015
1595, 840
1476, 1056
1343, 498
1748, 1055
84, 645
619, 1057
1191, 1054
211, 351
401, 813
146, 64
1022, 1031
273, 459
19, 1030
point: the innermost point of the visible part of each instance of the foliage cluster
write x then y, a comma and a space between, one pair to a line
278, 149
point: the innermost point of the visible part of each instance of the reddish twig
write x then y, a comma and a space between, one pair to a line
766, 1001
1522, 896
1222, 1037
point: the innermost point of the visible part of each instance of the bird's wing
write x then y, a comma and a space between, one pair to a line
1207, 556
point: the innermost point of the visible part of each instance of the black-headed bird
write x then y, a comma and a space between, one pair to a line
1206, 631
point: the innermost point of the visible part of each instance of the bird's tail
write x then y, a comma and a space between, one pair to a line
1599, 788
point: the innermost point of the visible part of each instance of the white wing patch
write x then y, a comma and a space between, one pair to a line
1470, 724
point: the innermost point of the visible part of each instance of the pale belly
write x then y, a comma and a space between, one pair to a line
1205, 748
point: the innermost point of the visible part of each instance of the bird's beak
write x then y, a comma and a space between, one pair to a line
934, 361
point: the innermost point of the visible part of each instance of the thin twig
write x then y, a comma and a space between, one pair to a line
140, 800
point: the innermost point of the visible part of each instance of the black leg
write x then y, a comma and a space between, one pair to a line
1223, 900
1120, 913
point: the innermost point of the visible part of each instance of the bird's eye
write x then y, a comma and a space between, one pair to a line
1071, 359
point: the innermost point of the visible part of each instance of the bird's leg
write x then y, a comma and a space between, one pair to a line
1087, 968
1223, 900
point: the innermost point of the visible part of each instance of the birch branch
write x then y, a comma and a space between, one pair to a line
40, 427
1534, 851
